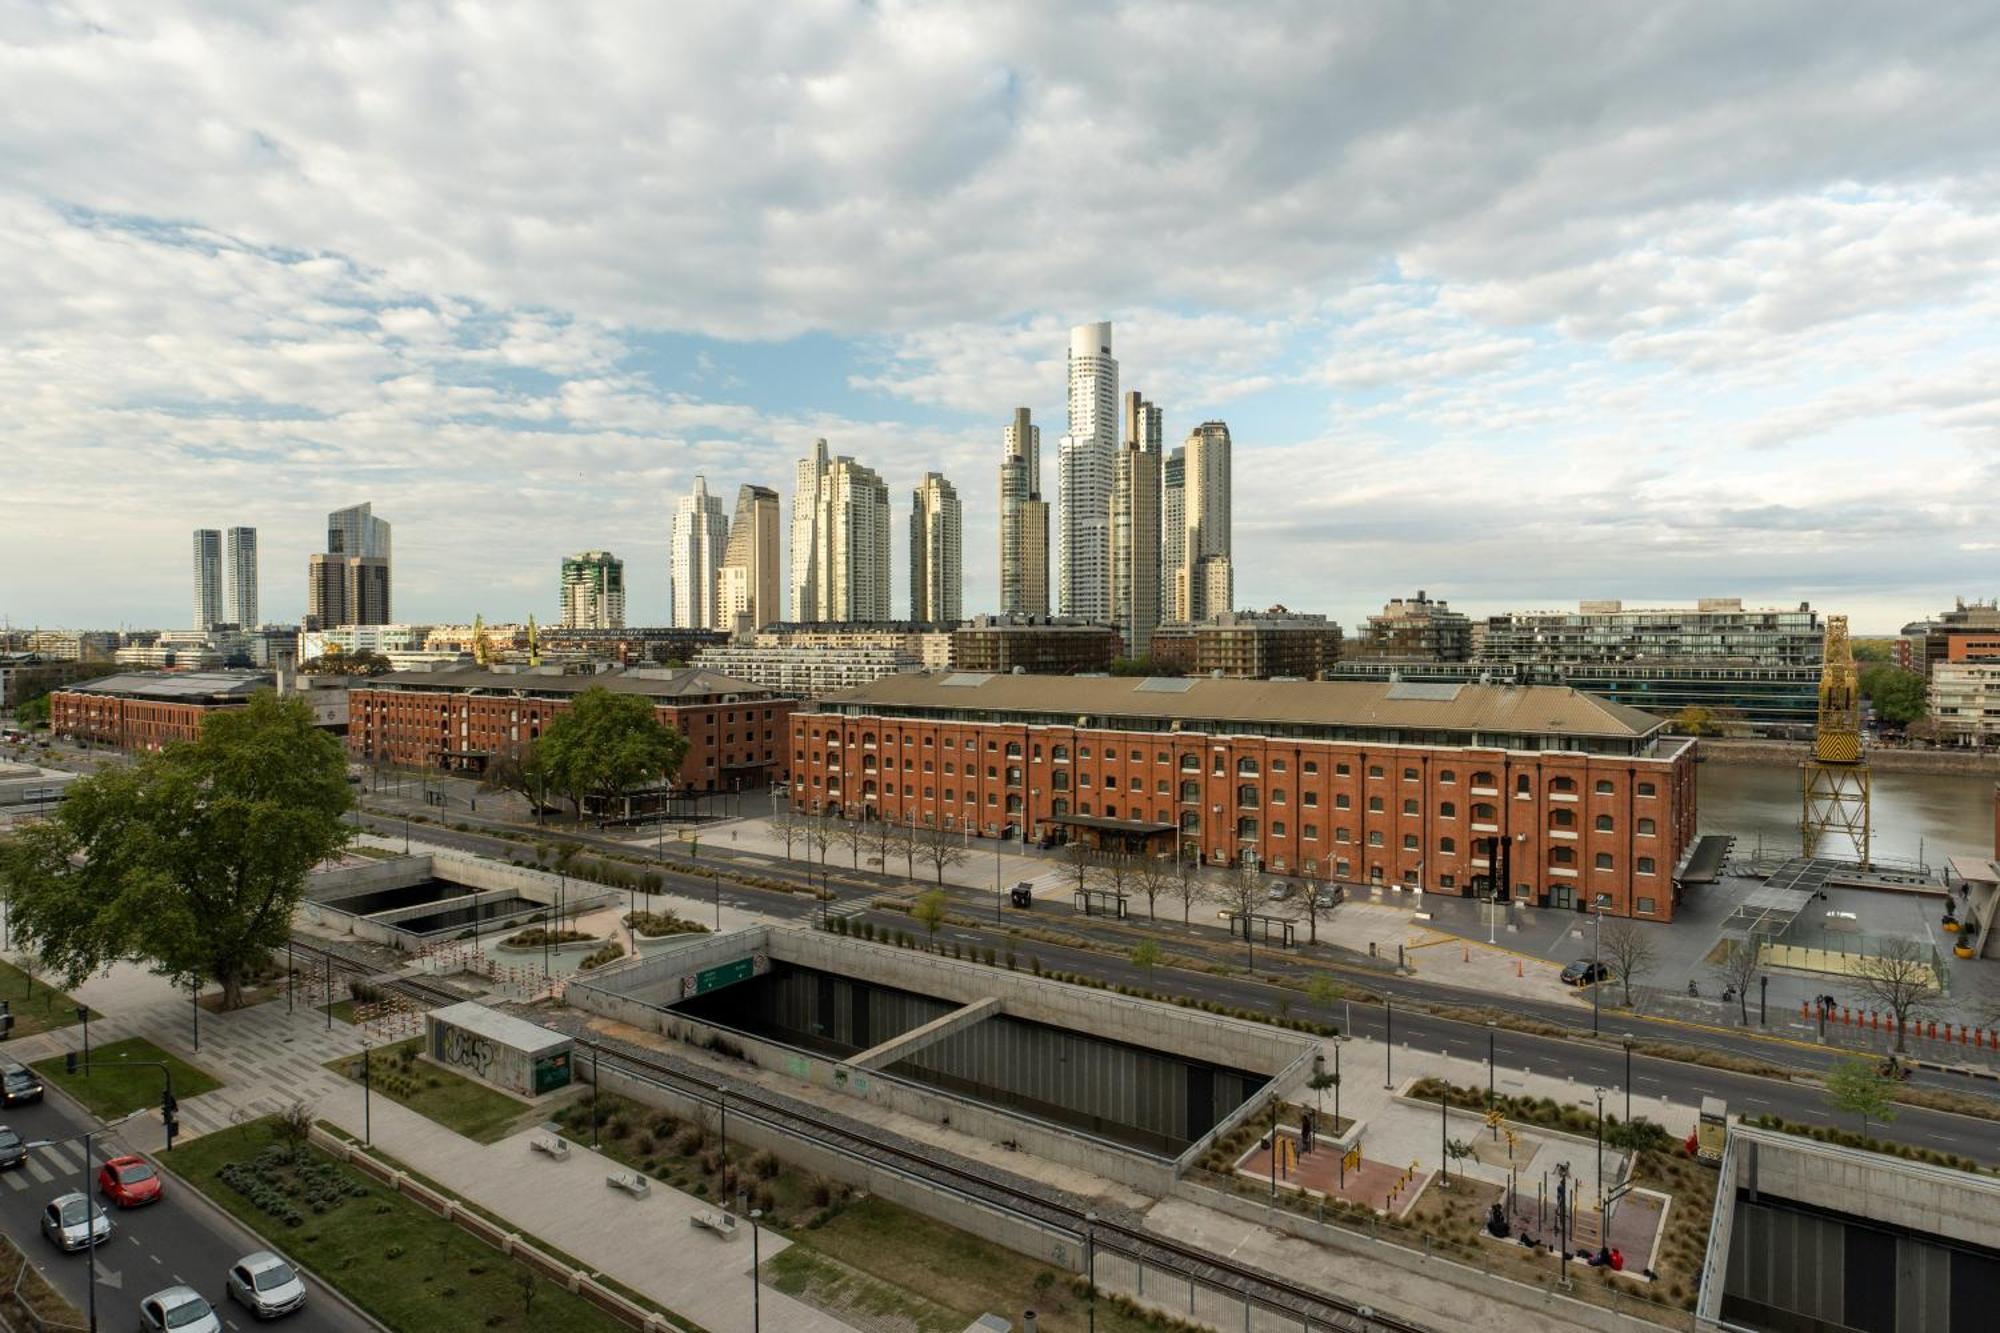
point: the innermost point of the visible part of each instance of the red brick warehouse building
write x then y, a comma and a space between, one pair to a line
1363, 782
462, 718
145, 710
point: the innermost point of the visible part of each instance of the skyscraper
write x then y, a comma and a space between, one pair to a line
350, 584
593, 591
1087, 459
1173, 536
1135, 528
1024, 520
207, 577
1207, 568
937, 565
747, 593
805, 533
243, 577
700, 540
852, 530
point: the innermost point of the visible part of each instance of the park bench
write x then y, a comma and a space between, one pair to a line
631, 1182
551, 1146
722, 1224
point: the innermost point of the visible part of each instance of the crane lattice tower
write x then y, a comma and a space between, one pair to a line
1834, 783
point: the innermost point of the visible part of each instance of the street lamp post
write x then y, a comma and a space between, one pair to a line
1596, 939
329, 990
596, 1072
194, 1006
92, 1209
1492, 1029
756, 1290
367, 1096
83, 1015
1628, 1078
1600, 1160
1090, 1262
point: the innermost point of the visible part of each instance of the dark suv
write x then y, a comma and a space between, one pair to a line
19, 1084
12, 1153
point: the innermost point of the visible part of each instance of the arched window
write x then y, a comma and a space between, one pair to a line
1191, 792
1190, 762
1246, 796
1604, 824
1482, 779
1447, 810
1562, 818
1562, 856
1447, 775
1059, 753
1604, 787
1246, 766
1447, 846
867, 738
1483, 813
1013, 749
868, 763
1521, 785
1246, 828
1562, 785
868, 791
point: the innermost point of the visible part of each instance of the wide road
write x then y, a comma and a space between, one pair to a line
179, 1239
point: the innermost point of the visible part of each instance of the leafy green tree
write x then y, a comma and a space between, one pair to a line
609, 744
1858, 1085
1694, 720
34, 713
191, 859
928, 911
1898, 697
1147, 954
1872, 650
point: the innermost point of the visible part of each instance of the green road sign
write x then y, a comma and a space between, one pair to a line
715, 978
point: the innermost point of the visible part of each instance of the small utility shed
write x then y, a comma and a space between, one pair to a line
509, 1053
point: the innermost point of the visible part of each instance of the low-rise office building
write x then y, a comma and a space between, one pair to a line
926, 643
25, 676
1370, 783
462, 719
1714, 629
650, 645
805, 672
1255, 645
1415, 629
1037, 645
147, 710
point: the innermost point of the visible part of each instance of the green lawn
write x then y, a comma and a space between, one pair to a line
37, 1008
402, 1265
110, 1091
458, 1103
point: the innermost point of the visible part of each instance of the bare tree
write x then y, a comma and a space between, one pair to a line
819, 834
1079, 857
938, 847
853, 835
1151, 877
1242, 892
1630, 949
1187, 884
1898, 981
1739, 966
789, 827
1314, 886
900, 838
1112, 872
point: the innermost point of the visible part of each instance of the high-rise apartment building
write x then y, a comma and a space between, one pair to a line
937, 563
593, 591
243, 577
1135, 528
1173, 536
350, 583
851, 532
1206, 573
1086, 464
810, 471
207, 577
1416, 629
1024, 520
700, 540
747, 589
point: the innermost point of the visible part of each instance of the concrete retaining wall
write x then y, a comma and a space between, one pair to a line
1788, 754
1929, 1200
328, 886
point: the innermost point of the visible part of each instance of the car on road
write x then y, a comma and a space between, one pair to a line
19, 1084
1280, 891
1332, 897
129, 1182
1584, 972
266, 1285
12, 1151
73, 1222
182, 1309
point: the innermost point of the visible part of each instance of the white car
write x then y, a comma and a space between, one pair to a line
74, 1223
182, 1309
266, 1285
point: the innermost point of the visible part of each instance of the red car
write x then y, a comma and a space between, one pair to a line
129, 1182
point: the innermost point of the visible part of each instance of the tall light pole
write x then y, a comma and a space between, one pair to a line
756, 1289
1090, 1260
367, 1096
1600, 1165
1596, 938
1628, 1079
92, 1209
596, 1078
1388, 1044
1492, 1029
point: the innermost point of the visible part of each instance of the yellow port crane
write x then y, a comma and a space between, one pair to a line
1834, 780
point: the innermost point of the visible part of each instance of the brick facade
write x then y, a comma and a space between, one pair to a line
129, 724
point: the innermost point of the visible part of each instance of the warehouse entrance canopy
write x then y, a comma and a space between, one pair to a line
1118, 835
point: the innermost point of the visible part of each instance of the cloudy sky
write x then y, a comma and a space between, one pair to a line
1514, 303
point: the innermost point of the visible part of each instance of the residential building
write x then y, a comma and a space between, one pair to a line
1416, 629
1085, 461
700, 541
1207, 571
1041, 645
1255, 645
347, 590
460, 720
806, 673
208, 578
592, 591
1024, 520
1135, 527
147, 710
242, 595
26, 676
72, 645
1965, 700
1365, 783
1173, 536
805, 580
852, 530
937, 561
747, 588
929, 645
1931, 644
657, 645
1715, 629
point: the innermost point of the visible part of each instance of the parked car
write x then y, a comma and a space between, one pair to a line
129, 1182
1281, 891
19, 1084
73, 1222
1584, 972
266, 1285
182, 1309
1332, 897
12, 1153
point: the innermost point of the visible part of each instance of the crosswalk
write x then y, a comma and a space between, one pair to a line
60, 1164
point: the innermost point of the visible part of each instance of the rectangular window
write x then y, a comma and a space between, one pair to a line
1341, 770
1277, 828
1341, 802
1644, 907
1311, 833
1312, 768
1311, 799
1409, 775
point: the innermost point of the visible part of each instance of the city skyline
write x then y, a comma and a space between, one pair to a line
1752, 353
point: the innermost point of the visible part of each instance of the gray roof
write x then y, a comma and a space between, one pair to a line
654, 683
1515, 709
186, 687
515, 1033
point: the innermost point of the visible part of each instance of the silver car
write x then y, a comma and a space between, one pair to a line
266, 1285
74, 1223
182, 1309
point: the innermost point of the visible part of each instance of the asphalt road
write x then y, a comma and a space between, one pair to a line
179, 1239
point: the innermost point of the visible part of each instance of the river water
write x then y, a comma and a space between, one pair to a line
1928, 814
